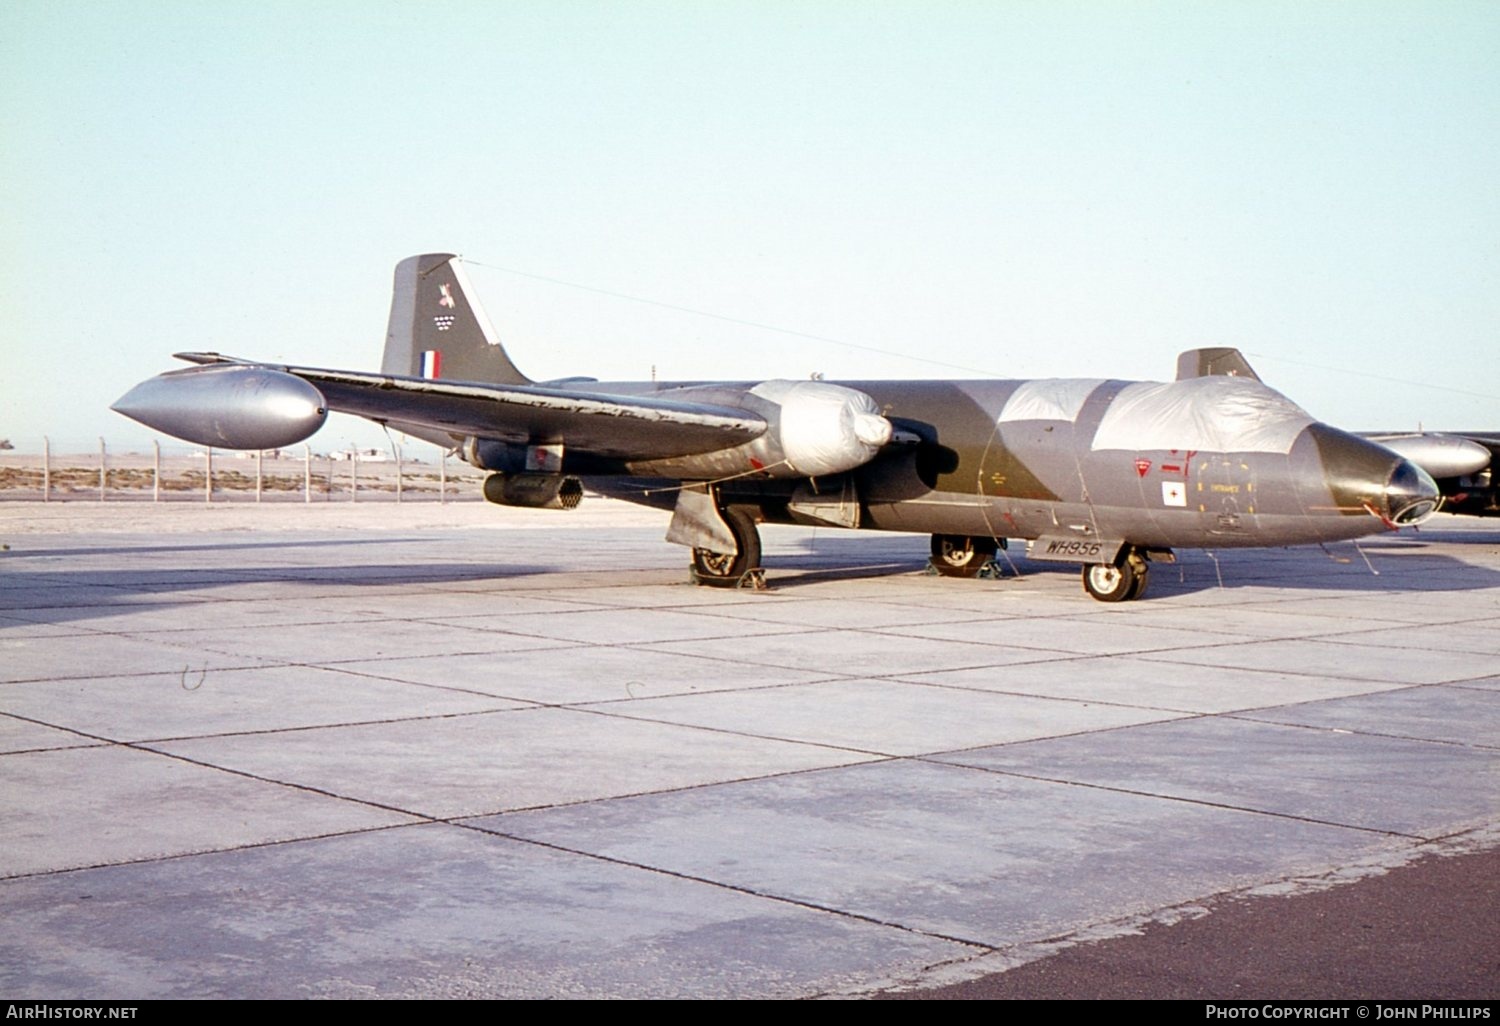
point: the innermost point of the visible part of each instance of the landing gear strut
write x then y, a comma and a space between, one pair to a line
959, 555
1109, 582
725, 569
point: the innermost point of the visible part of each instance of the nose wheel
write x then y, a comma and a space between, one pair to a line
1123, 583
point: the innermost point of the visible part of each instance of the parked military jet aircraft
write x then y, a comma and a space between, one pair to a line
1109, 474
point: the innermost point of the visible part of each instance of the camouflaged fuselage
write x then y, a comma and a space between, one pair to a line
1207, 462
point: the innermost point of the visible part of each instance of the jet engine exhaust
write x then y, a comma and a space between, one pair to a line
537, 491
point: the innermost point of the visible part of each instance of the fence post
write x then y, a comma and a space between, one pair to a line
353, 475
46, 469
443, 479
102, 471
397, 447
259, 453
307, 474
208, 476
155, 471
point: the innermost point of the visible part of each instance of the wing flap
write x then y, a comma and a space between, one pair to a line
627, 427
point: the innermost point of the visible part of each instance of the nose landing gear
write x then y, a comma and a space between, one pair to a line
1122, 582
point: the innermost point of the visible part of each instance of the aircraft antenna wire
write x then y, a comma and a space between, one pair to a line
1015, 570
716, 481
985, 371
1218, 572
1088, 498
1347, 371
1334, 557
1307, 516
984, 501
387, 429
742, 322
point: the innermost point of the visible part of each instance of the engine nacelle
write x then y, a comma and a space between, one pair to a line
822, 428
537, 491
227, 406
815, 429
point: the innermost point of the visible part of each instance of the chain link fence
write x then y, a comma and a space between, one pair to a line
224, 476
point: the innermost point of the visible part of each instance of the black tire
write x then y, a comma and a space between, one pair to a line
959, 555
1109, 583
723, 569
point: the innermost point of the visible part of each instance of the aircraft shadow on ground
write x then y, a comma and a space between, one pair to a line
1451, 536
128, 550
71, 595
1403, 566
68, 596
1316, 573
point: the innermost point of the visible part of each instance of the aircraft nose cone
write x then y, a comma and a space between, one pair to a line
1363, 477
1411, 495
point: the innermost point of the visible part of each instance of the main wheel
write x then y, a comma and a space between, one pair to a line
959, 555
724, 569
1110, 583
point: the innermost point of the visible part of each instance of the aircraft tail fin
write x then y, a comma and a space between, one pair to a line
1202, 363
439, 330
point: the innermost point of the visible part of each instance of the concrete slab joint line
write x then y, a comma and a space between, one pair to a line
413, 751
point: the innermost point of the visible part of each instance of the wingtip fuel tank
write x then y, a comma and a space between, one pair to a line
228, 407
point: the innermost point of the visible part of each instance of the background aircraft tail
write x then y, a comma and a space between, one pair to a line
439, 330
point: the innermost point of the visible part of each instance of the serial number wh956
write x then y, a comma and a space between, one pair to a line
1075, 550
1073, 547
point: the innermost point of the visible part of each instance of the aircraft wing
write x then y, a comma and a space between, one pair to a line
613, 426
445, 377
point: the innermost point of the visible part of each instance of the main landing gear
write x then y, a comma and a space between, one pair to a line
732, 570
1109, 582
959, 555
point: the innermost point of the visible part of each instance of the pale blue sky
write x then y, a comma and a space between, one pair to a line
1026, 189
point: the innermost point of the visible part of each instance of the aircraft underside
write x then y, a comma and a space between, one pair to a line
1114, 545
